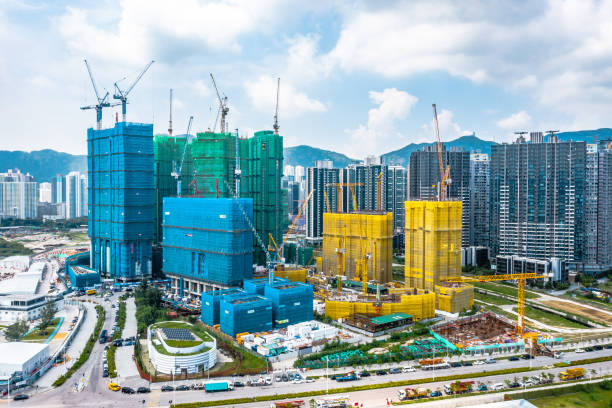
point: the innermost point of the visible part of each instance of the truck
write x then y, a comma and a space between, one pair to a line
350, 376
459, 387
91, 292
411, 393
218, 386
571, 374
333, 402
287, 404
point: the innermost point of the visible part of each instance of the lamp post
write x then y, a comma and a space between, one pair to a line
326, 376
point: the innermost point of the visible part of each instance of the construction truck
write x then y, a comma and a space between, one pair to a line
350, 376
287, 404
333, 402
411, 393
571, 374
459, 387
433, 363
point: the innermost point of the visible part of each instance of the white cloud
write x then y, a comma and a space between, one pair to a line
449, 129
517, 121
529, 81
262, 93
379, 134
202, 89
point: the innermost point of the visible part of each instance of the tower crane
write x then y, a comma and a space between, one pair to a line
176, 173
223, 108
445, 179
275, 126
102, 102
521, 133
339, 193
170, 121
551, 134
519, 277
122, 95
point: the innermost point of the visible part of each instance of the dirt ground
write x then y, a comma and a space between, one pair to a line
585, 311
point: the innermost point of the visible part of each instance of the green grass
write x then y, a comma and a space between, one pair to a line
498, 310
503, 289
492, 299
201, 333
183, 343
587, 301
77, 236
598, 395
10, 248
38, 335
550, 318
160, 349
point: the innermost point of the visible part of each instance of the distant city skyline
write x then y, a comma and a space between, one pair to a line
354, 77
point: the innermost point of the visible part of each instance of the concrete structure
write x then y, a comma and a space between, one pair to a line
121, 200
24, 307
479, 199
19, 358
424, 177
207, 243
18, 195
17, 263
168, 359
44, 192
537, 191
555, 268
80, 275
475, 256
317, 179
598, 206
24, 283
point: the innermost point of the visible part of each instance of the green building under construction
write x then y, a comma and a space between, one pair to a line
209, 170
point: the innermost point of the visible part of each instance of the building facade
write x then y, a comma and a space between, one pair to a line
318, 179
424, 180
18, 195
44, 192
537, 191
121, 200
479, 199
76, 195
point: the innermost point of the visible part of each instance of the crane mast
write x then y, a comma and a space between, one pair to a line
444, 173
102, 102
170, 121
176, 173
223, 108
122, 95
275, 126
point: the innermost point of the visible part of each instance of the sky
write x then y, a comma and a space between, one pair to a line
357, 77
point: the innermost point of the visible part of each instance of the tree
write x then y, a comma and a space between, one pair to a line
47, 314
16, 330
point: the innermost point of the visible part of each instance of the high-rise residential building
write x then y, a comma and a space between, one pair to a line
76, 193
318, 179
536, 199
58, 189
261, 170
424, 179
44, 192
299, 173
18, 195
396, 194
121, 200
479, 199
293, 196
598, 205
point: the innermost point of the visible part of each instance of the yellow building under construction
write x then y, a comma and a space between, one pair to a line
357, 237
417, 303
433, 252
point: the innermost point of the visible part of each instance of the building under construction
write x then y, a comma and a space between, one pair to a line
355, 238
223, 163
433, 252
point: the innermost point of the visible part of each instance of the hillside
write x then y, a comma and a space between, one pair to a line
307, 156
586, 135
43, 164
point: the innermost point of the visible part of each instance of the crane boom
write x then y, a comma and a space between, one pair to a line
177, 173
102, 103
275, 126
443, 174
222, 104
93, 82
122, 95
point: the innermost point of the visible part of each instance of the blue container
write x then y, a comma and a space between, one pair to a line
245, 313
210, 304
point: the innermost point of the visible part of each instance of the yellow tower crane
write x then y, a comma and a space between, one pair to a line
520, 278
339, 193
445, 179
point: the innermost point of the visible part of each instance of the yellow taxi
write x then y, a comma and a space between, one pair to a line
113, 387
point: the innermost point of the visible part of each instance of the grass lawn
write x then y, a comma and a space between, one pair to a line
183, 343
492, 299
35, 335
160, 349
200, 332
497, 310
591, 302
503, 289
598, 399
10, 248
550, 318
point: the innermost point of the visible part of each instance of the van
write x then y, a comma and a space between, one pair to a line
498, 386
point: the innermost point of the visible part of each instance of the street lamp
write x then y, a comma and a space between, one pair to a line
326, 375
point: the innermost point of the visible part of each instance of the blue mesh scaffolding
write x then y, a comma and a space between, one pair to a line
291, 303
210, 304
121, 199
208, 239
257, 286
245, 312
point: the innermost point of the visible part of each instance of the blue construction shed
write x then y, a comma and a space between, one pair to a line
291, 303
210, 304
79, 273
245, 312
257, 286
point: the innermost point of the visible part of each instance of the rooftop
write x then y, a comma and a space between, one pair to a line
390, 318
19, 352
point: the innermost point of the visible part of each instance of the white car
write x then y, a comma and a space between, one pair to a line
298, 381
408, 370
479, 362
579, 351
310, 380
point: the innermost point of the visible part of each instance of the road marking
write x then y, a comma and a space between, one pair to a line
154, 399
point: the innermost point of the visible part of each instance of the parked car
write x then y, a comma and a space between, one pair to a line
455, 364
579, 350
514, 384
167, 388
182, 387
238, 384
114, 387
395, 370
608, 346
498, 386
128, 390
527, 357
436, 393
588, 349
20, 397
598, 347
118, 343
310, 380
105, 373
490, 361
143, 390
364, 374
466, 363
297, 381
409, 369
128, 343
479, 362
513, 358
381, 372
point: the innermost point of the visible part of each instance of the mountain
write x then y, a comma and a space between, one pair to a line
42, 164
470, 143
306, 156
586, 135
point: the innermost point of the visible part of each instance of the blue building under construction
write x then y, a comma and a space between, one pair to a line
121, 200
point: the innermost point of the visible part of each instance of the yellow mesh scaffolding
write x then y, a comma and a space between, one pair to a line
350, 231
419, 306
294, 275
454, 298
433, 242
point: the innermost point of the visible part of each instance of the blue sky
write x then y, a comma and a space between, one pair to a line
358, 77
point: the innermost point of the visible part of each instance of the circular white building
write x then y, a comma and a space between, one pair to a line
180, 347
